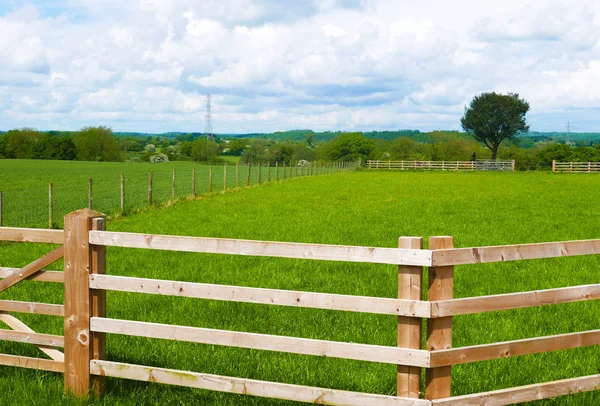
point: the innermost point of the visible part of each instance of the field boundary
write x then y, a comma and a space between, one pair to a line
161, 193
479, 165
576, 167
84, 242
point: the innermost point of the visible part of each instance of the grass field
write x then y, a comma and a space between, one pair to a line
24, 184
357, 208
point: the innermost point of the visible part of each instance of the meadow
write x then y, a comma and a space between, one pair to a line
24, 184
355, 208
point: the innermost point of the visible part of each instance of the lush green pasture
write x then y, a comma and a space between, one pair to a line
25, 186
353, 208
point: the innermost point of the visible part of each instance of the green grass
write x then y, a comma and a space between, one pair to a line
230, 159
24, 184
357, 208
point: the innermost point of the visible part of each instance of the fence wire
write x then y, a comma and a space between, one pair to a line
33, 207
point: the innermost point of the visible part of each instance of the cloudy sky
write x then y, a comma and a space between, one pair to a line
146, 65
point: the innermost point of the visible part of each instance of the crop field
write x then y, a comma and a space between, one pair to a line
24, 184
354, 208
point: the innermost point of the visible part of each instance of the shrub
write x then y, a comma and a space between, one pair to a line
158, 158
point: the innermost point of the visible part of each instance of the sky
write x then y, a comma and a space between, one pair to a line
352, 65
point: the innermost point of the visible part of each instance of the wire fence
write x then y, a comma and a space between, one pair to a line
120, 194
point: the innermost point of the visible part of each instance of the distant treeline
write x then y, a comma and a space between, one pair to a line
101, 144
432, 146
527, 140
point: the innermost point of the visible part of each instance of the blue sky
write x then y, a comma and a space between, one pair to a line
146, 65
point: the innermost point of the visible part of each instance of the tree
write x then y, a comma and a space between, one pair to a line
186, 148
257, 151
204, 150
281, 151
237, 147
96, 144
19, 143
403, 148
492, 118
350, 147
559, 152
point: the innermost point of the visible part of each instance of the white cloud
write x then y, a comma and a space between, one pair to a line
122, 37
337, 64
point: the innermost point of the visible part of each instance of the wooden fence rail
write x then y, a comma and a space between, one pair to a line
86, 323
576, 167
480, 165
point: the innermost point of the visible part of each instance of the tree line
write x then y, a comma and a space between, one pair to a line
100, 144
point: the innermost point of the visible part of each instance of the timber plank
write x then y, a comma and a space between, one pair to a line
328, 301
247, 386
394, 256
306, 346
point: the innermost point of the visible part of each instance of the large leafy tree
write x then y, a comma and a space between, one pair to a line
20, 142
492, 118
350, 147
96, 144
237, 147
204, 150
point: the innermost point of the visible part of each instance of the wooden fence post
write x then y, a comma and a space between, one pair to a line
269, 172
439, 330
50, 206
150, 188
277, 171
296, 168
81, 303
512, 164
210, 179
248, 176
284, 171
259, 172
173, 186
237, 175
224, 178
98, 302
193, 182
553, 165
410, 280
90, 200
1, 208
122, 193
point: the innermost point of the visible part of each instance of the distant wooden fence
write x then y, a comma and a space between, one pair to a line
576, 167
83, 362
485, 165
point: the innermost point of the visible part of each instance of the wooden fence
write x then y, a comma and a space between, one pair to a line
86, 323
576, 167
481, 165
240, 175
